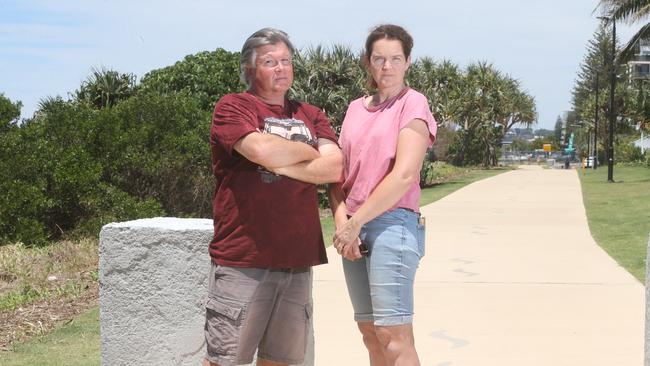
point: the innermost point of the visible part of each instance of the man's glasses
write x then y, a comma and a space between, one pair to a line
271, 62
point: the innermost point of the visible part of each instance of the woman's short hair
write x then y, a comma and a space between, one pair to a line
386, 31
262, 37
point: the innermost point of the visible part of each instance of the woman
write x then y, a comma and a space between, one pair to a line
384, 138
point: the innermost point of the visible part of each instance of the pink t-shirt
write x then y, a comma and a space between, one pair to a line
369, 143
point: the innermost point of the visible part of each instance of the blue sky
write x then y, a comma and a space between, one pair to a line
48, 47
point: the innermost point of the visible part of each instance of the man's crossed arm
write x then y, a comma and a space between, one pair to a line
293, 159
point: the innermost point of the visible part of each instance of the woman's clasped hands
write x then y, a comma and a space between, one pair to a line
346, 240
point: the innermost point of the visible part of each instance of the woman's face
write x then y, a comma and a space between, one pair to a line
388, 64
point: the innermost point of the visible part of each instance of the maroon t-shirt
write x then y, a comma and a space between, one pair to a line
262, 220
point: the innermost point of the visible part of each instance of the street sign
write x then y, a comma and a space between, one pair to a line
547, 147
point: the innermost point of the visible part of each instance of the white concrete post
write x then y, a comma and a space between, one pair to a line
153, 284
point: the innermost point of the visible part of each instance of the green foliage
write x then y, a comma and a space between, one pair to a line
15, 298
157, 147
48, 175
625, 152
73, 169
446, 135
488, 104
466, 149
115, 152
120, 151
329, 79
593, 76
437, 172
9, 111
105, 88
474, 100
442, 84
591, 101
207, 76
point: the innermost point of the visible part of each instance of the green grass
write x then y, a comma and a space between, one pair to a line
74, 344
619, 213
429, 194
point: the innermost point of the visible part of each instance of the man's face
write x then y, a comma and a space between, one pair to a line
273, 73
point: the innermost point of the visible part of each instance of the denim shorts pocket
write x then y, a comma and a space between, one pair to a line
421, 238
222, 322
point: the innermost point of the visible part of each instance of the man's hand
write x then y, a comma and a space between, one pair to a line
272, 151
327, 168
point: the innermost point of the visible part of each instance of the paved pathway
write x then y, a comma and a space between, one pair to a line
511, 276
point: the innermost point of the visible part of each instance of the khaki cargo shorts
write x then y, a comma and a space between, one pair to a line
249, 309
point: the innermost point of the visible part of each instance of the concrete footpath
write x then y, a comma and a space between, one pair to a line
511, 276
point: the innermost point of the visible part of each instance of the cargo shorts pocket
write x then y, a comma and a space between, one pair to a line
223, 323
309, 310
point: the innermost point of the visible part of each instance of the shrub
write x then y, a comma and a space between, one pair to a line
627, 153
438, 172
207, 76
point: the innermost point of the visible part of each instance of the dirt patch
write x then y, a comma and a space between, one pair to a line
39, 318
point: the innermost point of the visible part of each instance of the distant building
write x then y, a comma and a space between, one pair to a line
639, 65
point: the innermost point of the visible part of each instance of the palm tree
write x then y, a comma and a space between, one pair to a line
628, 11
485, 106
329, 78
440, 83
105, 87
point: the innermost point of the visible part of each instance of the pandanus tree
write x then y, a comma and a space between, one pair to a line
329, 78
440, 83
105, 87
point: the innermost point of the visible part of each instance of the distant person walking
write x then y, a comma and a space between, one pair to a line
267, 153
384, 138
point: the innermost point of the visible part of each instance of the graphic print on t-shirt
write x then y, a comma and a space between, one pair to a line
290, 129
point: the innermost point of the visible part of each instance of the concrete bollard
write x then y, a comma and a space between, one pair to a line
153, 283
647, 305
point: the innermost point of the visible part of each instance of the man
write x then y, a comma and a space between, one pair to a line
267, 153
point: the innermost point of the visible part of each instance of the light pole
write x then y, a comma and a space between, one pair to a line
612, 112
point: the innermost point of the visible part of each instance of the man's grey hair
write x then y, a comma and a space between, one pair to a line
262, 37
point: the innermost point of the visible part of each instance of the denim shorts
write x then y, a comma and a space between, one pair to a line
381, 283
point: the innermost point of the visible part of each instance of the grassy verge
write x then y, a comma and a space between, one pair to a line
74, 344
619, 213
